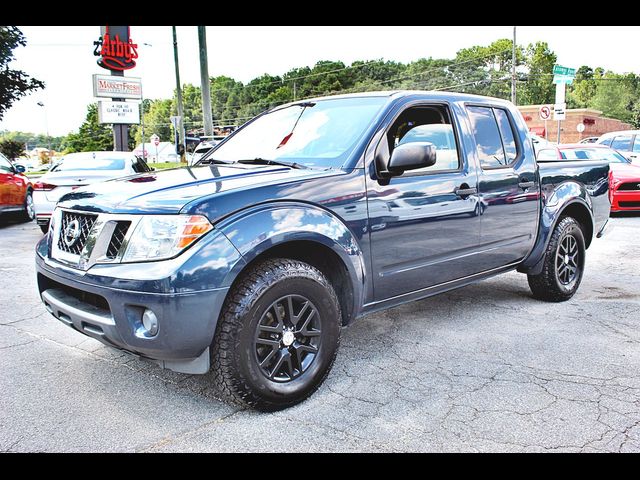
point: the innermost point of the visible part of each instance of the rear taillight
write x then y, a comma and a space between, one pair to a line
43, 187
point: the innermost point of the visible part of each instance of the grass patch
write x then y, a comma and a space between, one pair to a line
165, 165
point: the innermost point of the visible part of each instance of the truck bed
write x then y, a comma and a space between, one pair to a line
593, 174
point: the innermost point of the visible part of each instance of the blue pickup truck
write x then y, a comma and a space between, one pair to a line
250, 262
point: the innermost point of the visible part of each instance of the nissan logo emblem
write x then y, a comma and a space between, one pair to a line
71, 233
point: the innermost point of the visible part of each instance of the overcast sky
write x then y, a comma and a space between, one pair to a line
63, 57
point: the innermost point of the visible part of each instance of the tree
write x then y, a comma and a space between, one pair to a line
158, 120
13, 83
92, 135
11, 149
583, 89
538, 88
615, 96
488, 67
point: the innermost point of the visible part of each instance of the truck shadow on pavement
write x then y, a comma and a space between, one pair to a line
378, 337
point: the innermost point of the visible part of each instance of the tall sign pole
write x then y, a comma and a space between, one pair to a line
204, 82
513, 68
561, 77
178, 92
117, 53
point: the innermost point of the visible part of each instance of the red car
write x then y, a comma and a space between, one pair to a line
624, 177
16, 191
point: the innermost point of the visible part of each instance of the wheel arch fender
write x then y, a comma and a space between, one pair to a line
260, 229
569, 198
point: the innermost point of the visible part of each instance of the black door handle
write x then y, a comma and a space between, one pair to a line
526, 185
464, 191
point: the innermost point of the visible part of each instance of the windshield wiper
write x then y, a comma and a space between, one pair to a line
209, 161
264, 161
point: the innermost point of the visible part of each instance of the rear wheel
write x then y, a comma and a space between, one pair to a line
277, 336
29, 213
563, 264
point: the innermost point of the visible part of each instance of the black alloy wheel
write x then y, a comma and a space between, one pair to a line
567, 258
287, 339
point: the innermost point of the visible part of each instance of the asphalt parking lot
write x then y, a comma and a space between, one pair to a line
484, 368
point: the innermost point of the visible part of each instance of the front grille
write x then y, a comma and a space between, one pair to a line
629, 186
629, 204
117, 239
75, 243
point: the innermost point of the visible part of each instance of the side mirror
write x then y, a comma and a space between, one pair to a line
410, 156
19, 168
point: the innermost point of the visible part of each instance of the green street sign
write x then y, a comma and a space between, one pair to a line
568, 79
566, 71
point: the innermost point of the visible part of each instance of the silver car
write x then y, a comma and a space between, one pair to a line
76, 170
627, 142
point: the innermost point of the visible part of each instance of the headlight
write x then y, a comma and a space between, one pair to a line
158, 237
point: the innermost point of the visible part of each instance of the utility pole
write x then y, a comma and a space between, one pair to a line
180, 126
513, 69
204, 82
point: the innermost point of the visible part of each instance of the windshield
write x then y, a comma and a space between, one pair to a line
87, 162
594, 154
320, 134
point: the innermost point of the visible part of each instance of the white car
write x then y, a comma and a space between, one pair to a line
76, 170
627, 142
204, 146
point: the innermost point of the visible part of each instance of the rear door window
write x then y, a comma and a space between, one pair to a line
636, 144
506, 131
487, 136
495, 140
622, 142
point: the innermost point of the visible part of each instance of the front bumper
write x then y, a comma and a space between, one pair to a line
626, 201
107, 302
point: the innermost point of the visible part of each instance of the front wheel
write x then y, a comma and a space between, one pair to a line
277, 336
563, 264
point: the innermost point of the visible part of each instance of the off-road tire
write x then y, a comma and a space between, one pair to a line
235, 368
547, 285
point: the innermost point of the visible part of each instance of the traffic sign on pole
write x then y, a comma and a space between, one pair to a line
545, 112
559, 111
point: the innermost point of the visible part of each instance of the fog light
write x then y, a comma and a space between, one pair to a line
150, 322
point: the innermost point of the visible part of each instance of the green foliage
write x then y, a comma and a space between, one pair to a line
13, 83
31, 140
480, 69
538, 89
11, 149
92, 136
157, 121
616, 95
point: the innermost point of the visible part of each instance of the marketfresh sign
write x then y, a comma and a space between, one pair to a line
116, 87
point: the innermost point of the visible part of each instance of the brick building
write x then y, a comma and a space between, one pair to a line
595, 124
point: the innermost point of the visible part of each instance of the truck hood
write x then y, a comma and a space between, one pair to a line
169, 191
